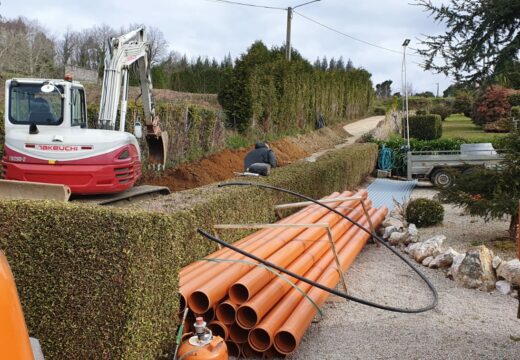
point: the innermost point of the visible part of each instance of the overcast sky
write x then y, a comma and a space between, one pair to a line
207, 27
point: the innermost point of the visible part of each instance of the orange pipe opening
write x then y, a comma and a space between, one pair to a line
208, 316
226, 312
249, 352
237, 334
219, 329
233, 349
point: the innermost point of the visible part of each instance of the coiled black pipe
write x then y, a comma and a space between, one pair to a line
318, 285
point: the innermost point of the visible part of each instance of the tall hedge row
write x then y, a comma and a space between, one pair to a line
425, 127
267, 94
102, 283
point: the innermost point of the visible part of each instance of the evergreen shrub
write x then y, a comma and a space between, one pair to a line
424, 212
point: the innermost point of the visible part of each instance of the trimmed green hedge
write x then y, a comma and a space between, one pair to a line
425, 127
102, 282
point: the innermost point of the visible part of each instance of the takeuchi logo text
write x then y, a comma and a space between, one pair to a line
65, 148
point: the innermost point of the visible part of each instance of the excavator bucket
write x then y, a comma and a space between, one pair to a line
157, 148
14, 190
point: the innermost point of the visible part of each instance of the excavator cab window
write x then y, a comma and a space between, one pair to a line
78, 111
28, 104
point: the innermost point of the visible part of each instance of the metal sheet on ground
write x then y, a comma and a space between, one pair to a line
129, 194
382, 192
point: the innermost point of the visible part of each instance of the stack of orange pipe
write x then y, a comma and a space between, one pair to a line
259, 313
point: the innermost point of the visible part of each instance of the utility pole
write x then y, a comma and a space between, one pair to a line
437, 89
288, 41
288, 37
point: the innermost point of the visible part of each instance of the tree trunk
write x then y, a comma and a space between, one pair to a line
513, 227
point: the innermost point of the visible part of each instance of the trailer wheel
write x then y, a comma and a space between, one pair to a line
442, 179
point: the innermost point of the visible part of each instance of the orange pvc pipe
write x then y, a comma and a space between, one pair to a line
14, 337
189, 287
214, 288
199, 267
226, 312
237, 334
233, 348
252, 311
272, 353
218, 328
249, 352
261, 337
288, 337
224, 252
257, 278
208, 316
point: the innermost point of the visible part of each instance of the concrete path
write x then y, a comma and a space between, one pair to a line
356, 130
360, 127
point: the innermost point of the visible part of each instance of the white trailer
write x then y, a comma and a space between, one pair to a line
438, 166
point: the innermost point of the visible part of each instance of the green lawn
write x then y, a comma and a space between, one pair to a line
460, 126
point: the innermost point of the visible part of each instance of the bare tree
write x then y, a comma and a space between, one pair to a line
65, 48
25, 48
158, 44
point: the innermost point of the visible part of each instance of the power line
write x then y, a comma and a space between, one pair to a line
314, 21
349, 36
246, 4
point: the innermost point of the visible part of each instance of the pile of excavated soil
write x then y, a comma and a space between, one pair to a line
223, 165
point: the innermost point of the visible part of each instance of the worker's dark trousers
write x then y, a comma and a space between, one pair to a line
260, 169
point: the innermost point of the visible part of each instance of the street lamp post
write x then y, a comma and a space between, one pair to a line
288, 35
408, 149
405, 44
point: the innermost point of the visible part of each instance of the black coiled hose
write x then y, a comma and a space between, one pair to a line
318, 285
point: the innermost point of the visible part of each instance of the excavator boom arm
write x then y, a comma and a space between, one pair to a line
125, 51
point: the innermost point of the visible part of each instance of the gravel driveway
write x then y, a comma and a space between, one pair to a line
466, 324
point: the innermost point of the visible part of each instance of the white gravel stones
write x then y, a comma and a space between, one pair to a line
496, 262
427, 261
443, 260
413, 233
476, 271
421, 250
509, 271
503, 287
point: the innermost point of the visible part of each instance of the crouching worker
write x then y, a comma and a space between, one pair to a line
260, 160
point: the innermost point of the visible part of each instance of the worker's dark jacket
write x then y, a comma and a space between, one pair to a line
261, 154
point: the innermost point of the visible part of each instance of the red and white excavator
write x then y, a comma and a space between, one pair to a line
46, 134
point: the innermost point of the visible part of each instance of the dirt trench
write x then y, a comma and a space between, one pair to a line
223, 165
